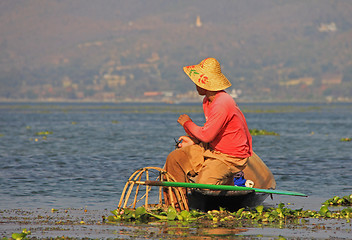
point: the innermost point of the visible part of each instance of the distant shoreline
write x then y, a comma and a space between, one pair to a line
4, 100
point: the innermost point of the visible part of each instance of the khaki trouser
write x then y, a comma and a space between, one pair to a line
198, 164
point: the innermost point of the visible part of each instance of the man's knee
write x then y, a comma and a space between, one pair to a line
215, 172
175, 156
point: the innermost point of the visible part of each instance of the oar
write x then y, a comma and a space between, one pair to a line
218, 187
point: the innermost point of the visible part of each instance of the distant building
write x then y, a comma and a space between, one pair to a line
327, 27
235, 93
331, 79
293, 82
198, 22
168, 94
152, 94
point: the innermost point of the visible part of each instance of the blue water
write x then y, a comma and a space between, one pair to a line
90, 150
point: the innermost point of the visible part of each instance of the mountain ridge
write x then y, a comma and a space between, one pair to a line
82, 49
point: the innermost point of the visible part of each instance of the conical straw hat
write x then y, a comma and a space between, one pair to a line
207, 75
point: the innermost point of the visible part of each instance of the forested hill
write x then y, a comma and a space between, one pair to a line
113, 49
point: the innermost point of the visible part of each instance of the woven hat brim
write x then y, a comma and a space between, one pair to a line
207, 80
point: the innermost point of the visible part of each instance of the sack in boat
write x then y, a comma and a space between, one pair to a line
239, 179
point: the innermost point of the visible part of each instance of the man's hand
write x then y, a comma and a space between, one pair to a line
185, 141
183, 118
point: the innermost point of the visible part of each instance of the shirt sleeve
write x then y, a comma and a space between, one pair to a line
216, 119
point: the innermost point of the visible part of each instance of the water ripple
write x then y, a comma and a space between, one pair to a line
93, 149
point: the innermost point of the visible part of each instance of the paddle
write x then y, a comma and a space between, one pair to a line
218, 187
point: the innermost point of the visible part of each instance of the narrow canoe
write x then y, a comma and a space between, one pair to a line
256, 170
205, 200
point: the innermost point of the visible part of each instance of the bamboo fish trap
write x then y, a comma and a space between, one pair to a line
133, 188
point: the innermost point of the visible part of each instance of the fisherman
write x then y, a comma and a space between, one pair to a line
222, 147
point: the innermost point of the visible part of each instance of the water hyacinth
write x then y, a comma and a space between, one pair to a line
257, 132
140, 214
44, 133
260, 214
20, 236
339, 201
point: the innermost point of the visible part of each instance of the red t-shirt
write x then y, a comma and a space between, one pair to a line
225, 128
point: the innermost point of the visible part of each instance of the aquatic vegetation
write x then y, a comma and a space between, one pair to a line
256, 132
280, 213
280, 109
347, 139
141, 214
20, 236
256, 215
43, 133
339, 201
325, 212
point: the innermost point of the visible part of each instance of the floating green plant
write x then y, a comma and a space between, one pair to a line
339, 201
20, 236
142, 215
280, 213
115, 121
279, 109
326, 213
256, 132
260, 214
347, 139
44, 133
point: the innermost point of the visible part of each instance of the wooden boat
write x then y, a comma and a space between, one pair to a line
256, 170
206, 197
205, 200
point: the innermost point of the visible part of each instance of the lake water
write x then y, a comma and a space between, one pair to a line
89, 150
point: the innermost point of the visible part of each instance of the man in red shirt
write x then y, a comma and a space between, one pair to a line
215, 152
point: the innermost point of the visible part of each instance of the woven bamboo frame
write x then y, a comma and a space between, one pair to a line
137, 176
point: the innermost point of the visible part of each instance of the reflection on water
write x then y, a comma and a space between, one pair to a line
182, 231
90, 150
222, 232
299, 228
